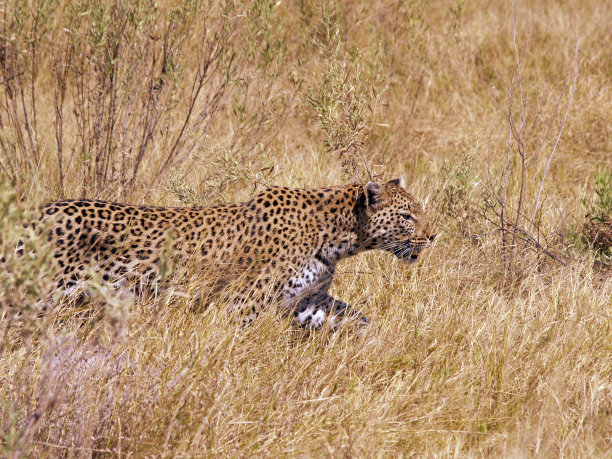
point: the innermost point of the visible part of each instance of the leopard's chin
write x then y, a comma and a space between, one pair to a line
407, 253
412, 259
409, 259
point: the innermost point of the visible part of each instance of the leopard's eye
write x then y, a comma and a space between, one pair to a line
408, 217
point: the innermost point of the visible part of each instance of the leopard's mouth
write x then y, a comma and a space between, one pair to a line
407, 252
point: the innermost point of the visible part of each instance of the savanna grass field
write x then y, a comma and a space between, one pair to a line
497, 343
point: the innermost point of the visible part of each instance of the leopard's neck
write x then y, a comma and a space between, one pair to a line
336, 221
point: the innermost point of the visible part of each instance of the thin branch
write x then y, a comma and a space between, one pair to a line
503, 204
569, 104
520, 137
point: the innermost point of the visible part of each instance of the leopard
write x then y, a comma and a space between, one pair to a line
284, 243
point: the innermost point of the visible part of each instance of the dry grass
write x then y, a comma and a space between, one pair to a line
496, 344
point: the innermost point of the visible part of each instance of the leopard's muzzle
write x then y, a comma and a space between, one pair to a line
409, 251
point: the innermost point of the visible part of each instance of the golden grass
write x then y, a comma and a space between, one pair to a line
483, 348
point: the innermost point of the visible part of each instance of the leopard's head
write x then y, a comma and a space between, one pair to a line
391, 219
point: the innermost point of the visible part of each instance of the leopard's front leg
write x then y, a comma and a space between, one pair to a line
319, 308
307, 296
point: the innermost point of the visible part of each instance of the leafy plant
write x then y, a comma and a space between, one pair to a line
458, 178
599, 209
345, 97
597, 230
25, 269
127, 106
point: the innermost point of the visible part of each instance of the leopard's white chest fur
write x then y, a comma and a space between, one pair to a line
318, 272
313, 276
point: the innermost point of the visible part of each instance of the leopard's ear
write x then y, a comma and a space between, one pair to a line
398, 182
372, 192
